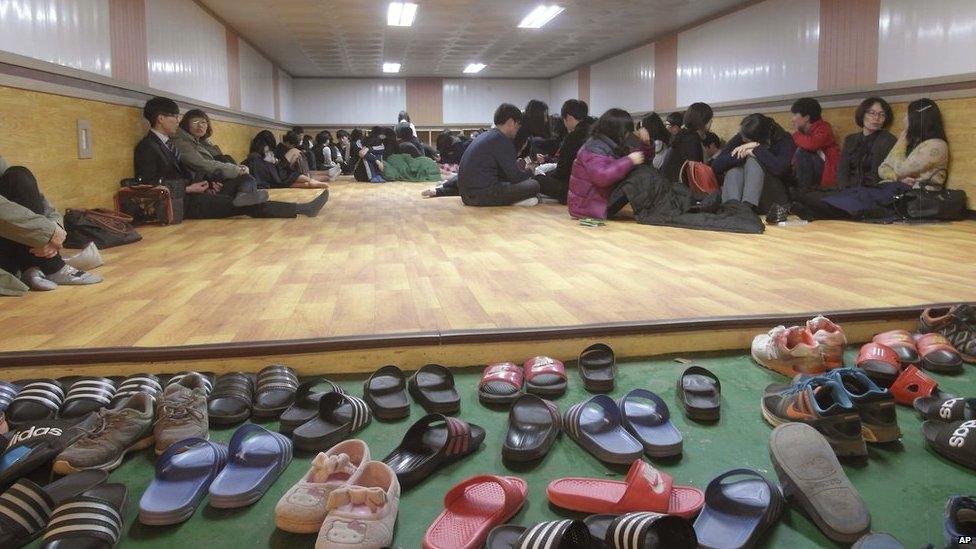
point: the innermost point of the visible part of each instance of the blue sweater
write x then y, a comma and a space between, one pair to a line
489, 160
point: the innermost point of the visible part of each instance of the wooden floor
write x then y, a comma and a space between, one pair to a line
382, 260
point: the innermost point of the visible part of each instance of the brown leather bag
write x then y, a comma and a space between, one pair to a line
147, 204
103, 227
700, 178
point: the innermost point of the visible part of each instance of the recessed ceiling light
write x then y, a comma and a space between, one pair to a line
540, 16
401, 14
473, 68
391, 67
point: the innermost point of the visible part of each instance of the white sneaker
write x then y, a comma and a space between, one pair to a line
36, 280
87, 259
362, 515
69, 276
527, 202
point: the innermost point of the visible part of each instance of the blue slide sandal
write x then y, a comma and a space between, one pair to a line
595, 425
257, 457
645, 415
737, 513
183, 473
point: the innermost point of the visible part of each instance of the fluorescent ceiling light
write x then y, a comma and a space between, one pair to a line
401, 14
473, 68
540, 16
391, 67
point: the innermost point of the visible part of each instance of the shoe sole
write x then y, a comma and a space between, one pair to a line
841, 448
63, 467
785, 368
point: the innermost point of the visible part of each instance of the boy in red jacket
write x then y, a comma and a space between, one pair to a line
817, 154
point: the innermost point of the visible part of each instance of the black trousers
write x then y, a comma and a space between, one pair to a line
550, 186
504, 194
19, 185
809, 170
221, 205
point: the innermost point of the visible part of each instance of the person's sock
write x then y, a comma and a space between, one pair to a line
36, 280
69, 276
527, 202
314, 206
87, 259
250, 199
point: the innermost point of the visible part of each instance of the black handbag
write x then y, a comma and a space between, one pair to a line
930, 201
103, 227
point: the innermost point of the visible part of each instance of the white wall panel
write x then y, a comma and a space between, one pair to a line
926, 39
562, 88
187, 51
363, 101
73, 33
286, 96
625, 81
764, 50
257, 82
474, 100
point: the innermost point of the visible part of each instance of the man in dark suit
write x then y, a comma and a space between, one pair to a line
156, 159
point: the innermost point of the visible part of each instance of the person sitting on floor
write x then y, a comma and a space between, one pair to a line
157, 159
535, 127
687, 144
327, 155
488, 174
450, 147
408, 143
369, 152
817, 153
305, 144
712, 145
673, 123
404, 116
291, 158
659, 136
602, 163
267, 170
344, 146
756, 164
576, 119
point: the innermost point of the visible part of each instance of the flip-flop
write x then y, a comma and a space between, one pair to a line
810, 474
183, 474
137, 383
433, 440
257, 457
902, 343
533, 426
86, 395
274, 391
956, 440
878, 541
644, 489
937, 354
553, 534
339, 416
640, 531
737, 513
960, 520
597, 366
306, 404
595, 425
37, 400
946, 409
91, 520
545, 376
472, 508
208, 380
913, 383
36, 445
700, 392
879, 362
500, 383
8, 392
645, 416
385, 392
26, 507
433, 388
230, 401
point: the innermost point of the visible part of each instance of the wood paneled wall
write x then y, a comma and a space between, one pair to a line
234, 70
848, 43
666, 73
584, 85
127, 24
425, 101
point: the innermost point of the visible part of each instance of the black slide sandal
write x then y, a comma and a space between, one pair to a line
137, 383
340, 415
37, 400
92, 520
385, 392
640, 530
433, 388
230, 401
86, 395
597, 366
306, 404
31, 519
553, 534
700, 393
955, 441
274, 391
945, 409
433, 440
533, 426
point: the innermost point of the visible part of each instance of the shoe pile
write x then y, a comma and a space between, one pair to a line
810, 349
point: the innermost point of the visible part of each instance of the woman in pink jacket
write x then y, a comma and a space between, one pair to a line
604, 161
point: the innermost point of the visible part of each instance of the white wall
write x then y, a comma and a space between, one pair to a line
625, 81
257, 82
764, 50
562, 88
187, 51
926, 39
364, 101
474, 100
72, 33
286, 94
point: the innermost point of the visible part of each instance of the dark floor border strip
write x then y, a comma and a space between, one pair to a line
421, 339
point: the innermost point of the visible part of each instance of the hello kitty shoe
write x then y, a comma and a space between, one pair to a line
362, 515
304, 506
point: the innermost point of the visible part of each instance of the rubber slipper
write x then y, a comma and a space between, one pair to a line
274, 391
433, 388
700, 393
474, 507
646, 417
879, 362
432, 441
640, 531
956, 440
339, 416
533, 426
8, 392
545, 377
208, 380
937, 354
597, 366
644, 489
257, 457
554, 534
913, 383
737, 513
86, 395
91, 520
901, 342
230, 401
500, 383
26, 507
37, 400
810, 474
595, 424
137, 383
33, 446
946, 409
306, 404
183, 475
385, 392
878, 541
960, 520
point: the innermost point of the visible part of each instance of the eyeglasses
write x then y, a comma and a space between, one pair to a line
199, 122
875, 114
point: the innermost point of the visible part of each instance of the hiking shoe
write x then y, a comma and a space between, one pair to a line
821, 403
831, 339
957, 324
875, 406
69, 276
182, 412
789, 351
116, 432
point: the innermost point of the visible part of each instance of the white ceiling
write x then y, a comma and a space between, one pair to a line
347, 38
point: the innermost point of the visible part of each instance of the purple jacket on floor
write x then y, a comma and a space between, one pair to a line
596, 172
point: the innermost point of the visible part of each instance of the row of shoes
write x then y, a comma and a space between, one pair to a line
503, 383
810, 349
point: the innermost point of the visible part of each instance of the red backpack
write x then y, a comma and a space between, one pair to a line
699, 177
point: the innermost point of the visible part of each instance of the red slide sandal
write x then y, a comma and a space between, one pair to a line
472, 508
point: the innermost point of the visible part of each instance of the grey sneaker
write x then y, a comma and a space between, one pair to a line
87, 259
116, 432
36, 280
182, 412
69, 276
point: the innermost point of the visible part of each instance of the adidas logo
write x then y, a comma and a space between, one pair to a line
958, 438
21, 436
945, 411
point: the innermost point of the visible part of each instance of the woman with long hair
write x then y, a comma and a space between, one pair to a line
657, 134
687, 143
535, 125
756, 164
